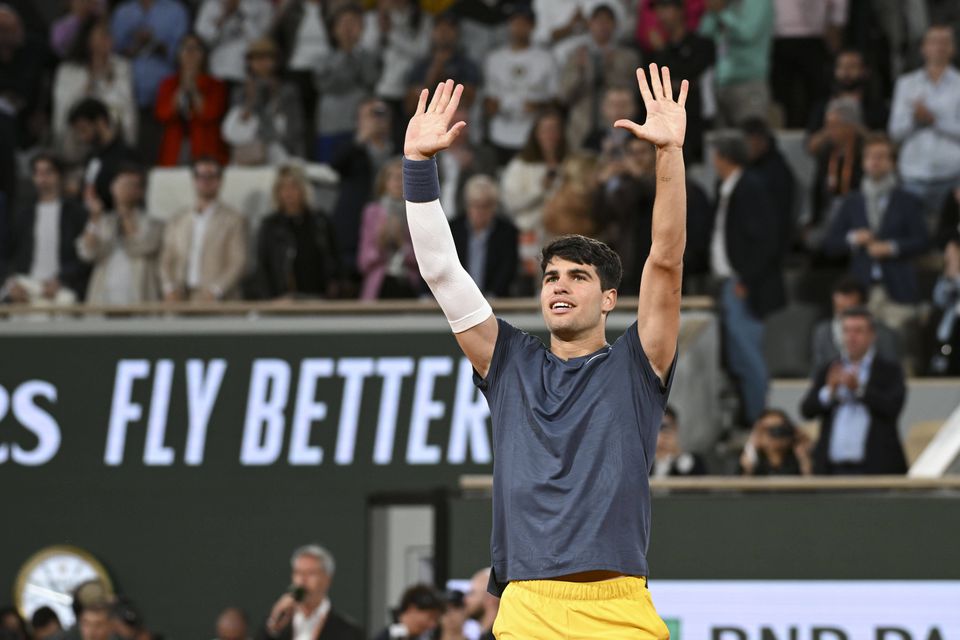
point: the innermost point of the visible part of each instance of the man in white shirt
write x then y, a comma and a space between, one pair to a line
304, 612
925, 121
44, 266
521, 79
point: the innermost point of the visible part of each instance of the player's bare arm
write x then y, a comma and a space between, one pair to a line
658, 313
429, 132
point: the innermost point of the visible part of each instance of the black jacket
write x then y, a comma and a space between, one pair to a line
277, 249
884, 397
774, 171
753, 238
74, 273
337, 627
501, 267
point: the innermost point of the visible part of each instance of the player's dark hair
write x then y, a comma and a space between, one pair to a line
583, 250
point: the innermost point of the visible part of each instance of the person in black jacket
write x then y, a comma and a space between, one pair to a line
306, 609
746, 257
769, 164
486, 241
858, 399
296, 248
419, 612
91, 123
43, 265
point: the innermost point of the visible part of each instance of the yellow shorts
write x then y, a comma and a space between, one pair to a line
557, 610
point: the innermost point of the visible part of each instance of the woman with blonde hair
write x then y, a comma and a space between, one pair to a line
296, 251
386, 258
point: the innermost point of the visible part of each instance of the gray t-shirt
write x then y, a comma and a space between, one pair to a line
574, 442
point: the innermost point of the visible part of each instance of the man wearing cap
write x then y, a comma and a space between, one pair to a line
419, 612
520, 79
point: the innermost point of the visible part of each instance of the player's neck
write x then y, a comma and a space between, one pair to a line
580, 345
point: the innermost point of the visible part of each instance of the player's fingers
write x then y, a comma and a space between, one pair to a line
655, 81
644, 87
630, 126
667, 86
682, 98
445, 96
451, 135
436, 98
454, 102
422, 104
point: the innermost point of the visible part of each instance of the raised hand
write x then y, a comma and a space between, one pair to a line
666, 120
429, 130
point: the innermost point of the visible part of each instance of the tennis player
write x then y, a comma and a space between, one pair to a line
574, 423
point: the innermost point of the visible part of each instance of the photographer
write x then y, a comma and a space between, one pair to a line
304, 612
776, 448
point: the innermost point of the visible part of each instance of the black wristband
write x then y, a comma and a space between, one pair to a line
421, 183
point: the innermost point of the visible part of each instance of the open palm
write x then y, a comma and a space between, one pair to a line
666, 121
429, 130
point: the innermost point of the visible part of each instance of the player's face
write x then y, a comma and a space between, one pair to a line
572, 299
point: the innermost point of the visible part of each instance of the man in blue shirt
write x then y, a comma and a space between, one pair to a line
574, 425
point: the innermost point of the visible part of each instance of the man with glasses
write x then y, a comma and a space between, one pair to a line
205, 246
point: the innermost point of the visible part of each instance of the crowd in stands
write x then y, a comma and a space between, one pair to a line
305, 610
94, 99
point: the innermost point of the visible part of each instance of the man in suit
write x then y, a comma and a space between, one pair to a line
306, 613
43, 266
205, 246
486, 242
881, 228
828, 334
858, 399
746, 258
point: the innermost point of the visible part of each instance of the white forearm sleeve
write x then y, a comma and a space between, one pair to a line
456, 292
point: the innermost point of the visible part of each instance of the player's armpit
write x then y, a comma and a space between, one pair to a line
478, 343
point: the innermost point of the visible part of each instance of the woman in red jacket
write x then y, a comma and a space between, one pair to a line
190, 106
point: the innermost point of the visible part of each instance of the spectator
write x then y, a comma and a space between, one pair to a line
94, 622
776, 448
92, 70
312, 616
858, 399
445, 60
925, 121
399, 30
358, 164
520, 81
745, 257
948, 229
265, 124
45, 624
24, 67
945, 359
123, 245
807, 34
881, 229
851, 81
741, 31
127, 622
190, 105
228, 27
386, 257
344, 79
688, 55
10, 620
204, 246
653, 32
595, 66
486, 241
232, 624
93, 128
419, 612
453, 619
461, 161
481, 605
839, 164
300, 30
44, 267
296, 250
768, 163
527, 181
670, 458
148, 32
619, 103
848, 293
569, 209
65, 29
